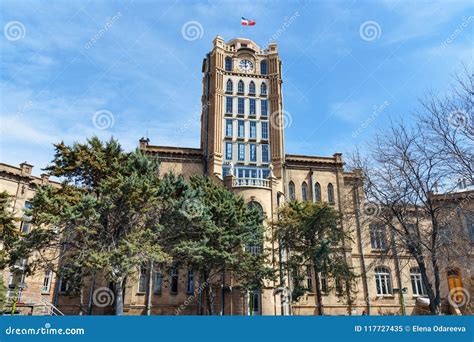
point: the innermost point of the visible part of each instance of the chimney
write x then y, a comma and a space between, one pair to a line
44, 178
143, 143
338, 157
26, 169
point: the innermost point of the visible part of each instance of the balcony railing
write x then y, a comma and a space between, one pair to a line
251, 183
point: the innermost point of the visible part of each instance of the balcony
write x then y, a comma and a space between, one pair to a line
251, 183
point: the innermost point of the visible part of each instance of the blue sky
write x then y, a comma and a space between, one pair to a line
348, 67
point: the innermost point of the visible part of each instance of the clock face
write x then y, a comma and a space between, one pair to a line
245, 65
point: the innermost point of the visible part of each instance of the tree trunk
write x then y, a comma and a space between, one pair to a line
434, 305
209, 295
119, 297
319, 294
91, 294
428, 285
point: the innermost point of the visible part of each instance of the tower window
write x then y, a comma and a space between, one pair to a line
264, 130
265, 158
240, 87
291, 189
252, 88
229, 86
158, 285
228, 128
240, 105
229, 103
263, 89
253, 152
228, 64
241, 129
317, 192
48, 275
263, 68
304, 191
253, 129
241, 152
252, 110
228, 151
264, 107
330, 193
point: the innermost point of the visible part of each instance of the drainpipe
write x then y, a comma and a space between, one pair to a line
206, 145
398, 274
361, 250
348, 290
311, 181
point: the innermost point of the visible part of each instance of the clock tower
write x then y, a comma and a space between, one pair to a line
241, 119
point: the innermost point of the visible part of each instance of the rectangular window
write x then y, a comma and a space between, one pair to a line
264, 107
158, 284
228, 151
48, 275
241, 129
253, 129
190, 282
253, 152
377, 236
174, 280
470, 226
241, 152
228, 128
265, 158
417, 284
240, 105
323, 280
142, 280
309, 279
264, 130
63, 285
25, 227
229, 104
252, 107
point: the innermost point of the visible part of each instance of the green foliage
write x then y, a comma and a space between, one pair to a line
313, 235
9, 234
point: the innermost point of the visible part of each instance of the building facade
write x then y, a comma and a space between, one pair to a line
242, 148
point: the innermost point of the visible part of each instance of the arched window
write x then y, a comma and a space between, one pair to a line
252, 87
417, 282
383, 281
263, 89
263, 68
240, 87
291, 189
317, 192
229, 87
228, 64
304, 191
256, 205
330, 193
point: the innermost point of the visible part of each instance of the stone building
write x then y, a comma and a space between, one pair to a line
242, 147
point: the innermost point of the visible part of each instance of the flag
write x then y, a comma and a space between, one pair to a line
247, 22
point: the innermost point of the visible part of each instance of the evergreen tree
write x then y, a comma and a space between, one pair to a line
312, 235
